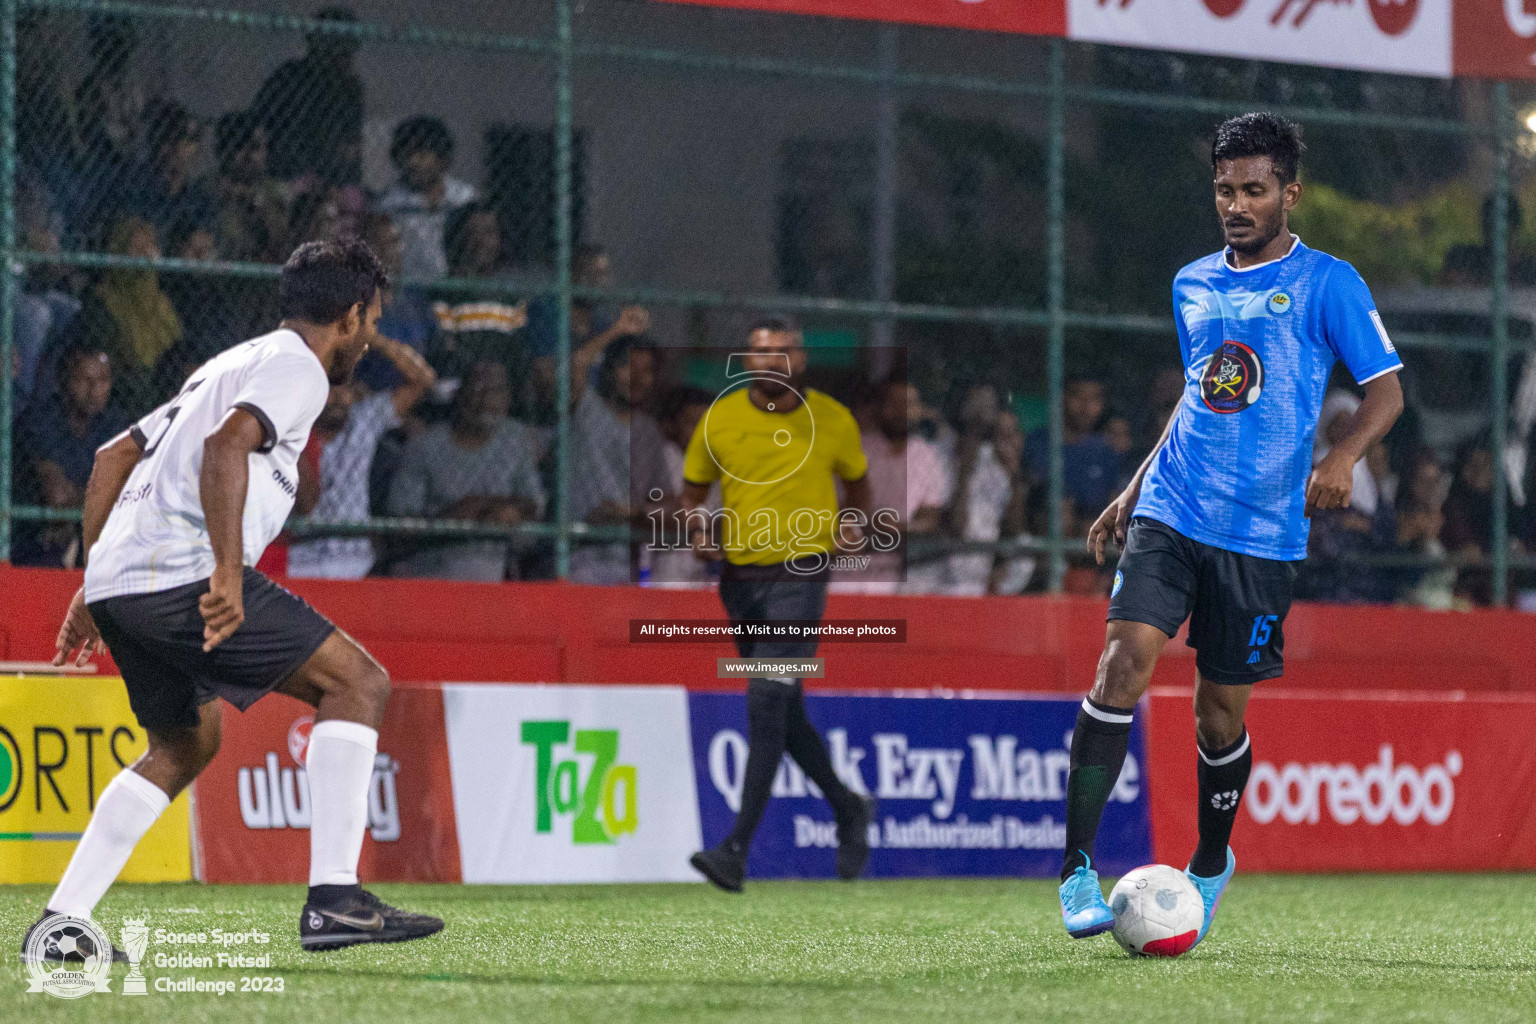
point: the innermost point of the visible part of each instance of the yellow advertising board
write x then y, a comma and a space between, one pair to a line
62, 739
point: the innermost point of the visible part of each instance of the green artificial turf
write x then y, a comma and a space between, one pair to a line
1439, 948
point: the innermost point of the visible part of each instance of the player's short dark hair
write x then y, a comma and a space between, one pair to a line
322, 280
1260, 134
774, 325
415, 134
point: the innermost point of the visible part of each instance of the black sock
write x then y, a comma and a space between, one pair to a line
805, 745
768, 704
1223, 777
330, 895
1099, 744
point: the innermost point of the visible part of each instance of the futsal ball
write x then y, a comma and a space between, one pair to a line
1158, 911
71, 944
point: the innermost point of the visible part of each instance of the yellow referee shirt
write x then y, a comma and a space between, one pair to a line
776, 473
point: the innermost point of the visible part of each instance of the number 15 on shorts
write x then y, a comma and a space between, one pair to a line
1262, 624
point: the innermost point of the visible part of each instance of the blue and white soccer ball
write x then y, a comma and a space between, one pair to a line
1158, 911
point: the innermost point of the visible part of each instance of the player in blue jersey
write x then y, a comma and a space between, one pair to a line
1215, 520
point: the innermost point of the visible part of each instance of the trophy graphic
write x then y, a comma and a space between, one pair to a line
135, 938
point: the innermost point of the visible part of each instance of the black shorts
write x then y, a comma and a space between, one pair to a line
1236, 604
157, 641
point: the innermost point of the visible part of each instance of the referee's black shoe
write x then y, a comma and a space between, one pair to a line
360, 916
725, 865
853, 838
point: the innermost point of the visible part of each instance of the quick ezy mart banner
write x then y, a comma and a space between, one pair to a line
966, 787
62, 739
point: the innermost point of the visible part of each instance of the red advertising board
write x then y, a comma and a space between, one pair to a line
1031, 17
1495, 38
1362, 782
252, 803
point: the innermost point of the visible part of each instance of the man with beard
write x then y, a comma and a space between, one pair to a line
177, 510
777, 447
482, 466
1216, 518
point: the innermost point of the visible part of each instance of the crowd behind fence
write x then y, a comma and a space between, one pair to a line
976, 233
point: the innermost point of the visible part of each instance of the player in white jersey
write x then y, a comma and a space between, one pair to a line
177, 510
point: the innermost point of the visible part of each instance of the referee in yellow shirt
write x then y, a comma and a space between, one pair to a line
777, 449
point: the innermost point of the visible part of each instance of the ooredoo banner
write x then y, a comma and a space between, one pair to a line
1363, 782
1495, 38
966, 787
1399, 36
253, 808
61, 741
1031, 17
572, 783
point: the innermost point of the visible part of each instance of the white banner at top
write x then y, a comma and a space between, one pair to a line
1409, 37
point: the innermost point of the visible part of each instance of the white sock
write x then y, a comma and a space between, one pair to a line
128, 806
340, 765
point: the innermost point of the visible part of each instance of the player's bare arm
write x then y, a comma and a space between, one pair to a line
1113, 520
226, 475
114, 461
1333, 479
694, 497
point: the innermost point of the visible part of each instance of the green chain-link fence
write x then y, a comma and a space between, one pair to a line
990, 216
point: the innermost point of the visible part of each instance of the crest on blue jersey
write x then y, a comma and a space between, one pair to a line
1232, 378
1280, 303
1119, 582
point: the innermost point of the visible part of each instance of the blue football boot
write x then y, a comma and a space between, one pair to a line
1210, 892
1083, 909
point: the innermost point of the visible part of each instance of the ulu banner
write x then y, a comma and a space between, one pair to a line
253, 806
61, 741
572, 783
966, 787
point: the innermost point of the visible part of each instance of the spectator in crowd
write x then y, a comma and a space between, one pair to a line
1117, 433
312, 109
61, 439
165, 190
616, 456
1468, 511
348, 431
45, 311
314, 217
129, 316
592, 328
408, 316
1164, 396
252, 205
476, 328
1090, 467
1012, 574
480, 466
1343, 538
420, 202
672, 561
47, 134
1420, 522
1471, 266
908, 477
986, 493
215, 311
110, 105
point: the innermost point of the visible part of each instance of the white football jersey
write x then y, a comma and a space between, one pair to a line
155, 537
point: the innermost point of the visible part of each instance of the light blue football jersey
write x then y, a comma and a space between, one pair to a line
1258, 347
